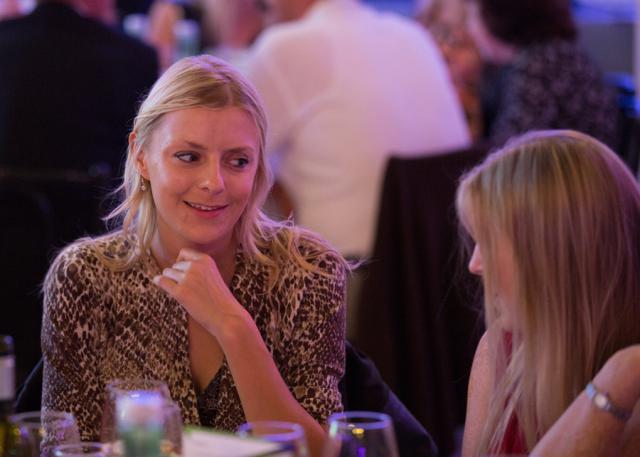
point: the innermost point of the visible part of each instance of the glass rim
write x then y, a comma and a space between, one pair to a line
40, 417
83, 447
137, 382
120, 386
291, 430
368, 420
82, 444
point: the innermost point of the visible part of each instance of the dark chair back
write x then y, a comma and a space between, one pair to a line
26, 236
628, 147
41, 212
415, 320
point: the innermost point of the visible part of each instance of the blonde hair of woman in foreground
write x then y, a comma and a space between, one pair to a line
555, 216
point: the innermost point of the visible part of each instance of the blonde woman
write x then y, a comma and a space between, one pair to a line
555, 217
241, 316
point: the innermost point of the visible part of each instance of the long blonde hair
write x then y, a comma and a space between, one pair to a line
207, 82
569, 210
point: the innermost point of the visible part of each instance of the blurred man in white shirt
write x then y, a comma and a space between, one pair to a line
345, 87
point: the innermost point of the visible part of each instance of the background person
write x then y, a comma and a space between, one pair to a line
550, 82
555, 217
227, 28
446, 20
241, 316
344, 87
10, 9
69, 88
234, 25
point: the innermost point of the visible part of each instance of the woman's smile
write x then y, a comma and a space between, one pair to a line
206, 211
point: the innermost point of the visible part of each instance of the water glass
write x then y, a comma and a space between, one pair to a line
288, 434
124, 387
44, 430
85, 449
361, 434
187, 33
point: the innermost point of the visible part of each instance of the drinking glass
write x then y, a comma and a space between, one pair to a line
46, 429
289, 435
16, 441
85, 449
361, 434
125, 387
172, 429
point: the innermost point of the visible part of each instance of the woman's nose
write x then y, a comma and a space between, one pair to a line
211, 178
475, 264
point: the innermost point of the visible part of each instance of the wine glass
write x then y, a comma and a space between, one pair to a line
16, 440
361, 434
125, 387
46, 429
288, 434
84, 449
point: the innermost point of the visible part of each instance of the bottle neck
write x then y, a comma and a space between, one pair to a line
7, 375
7, 384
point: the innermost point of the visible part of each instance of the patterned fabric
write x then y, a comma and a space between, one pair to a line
555, 85
101, 324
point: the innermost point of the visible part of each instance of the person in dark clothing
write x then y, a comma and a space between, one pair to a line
549, 81
69, 89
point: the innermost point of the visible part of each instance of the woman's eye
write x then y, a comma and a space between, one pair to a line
239, 162
186, 156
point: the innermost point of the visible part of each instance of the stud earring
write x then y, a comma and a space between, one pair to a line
143, 184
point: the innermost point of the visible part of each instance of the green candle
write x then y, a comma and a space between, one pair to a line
140, 423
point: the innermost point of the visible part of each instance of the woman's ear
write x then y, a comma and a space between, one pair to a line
141, 159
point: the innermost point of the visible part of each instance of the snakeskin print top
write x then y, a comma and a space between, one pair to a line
101, 324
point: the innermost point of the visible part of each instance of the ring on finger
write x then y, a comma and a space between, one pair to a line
181, 266
173, 273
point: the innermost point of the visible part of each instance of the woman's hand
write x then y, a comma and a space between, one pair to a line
196, 283
620, 377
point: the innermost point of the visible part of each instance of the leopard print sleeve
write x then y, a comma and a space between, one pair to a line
72, 337
316, 354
